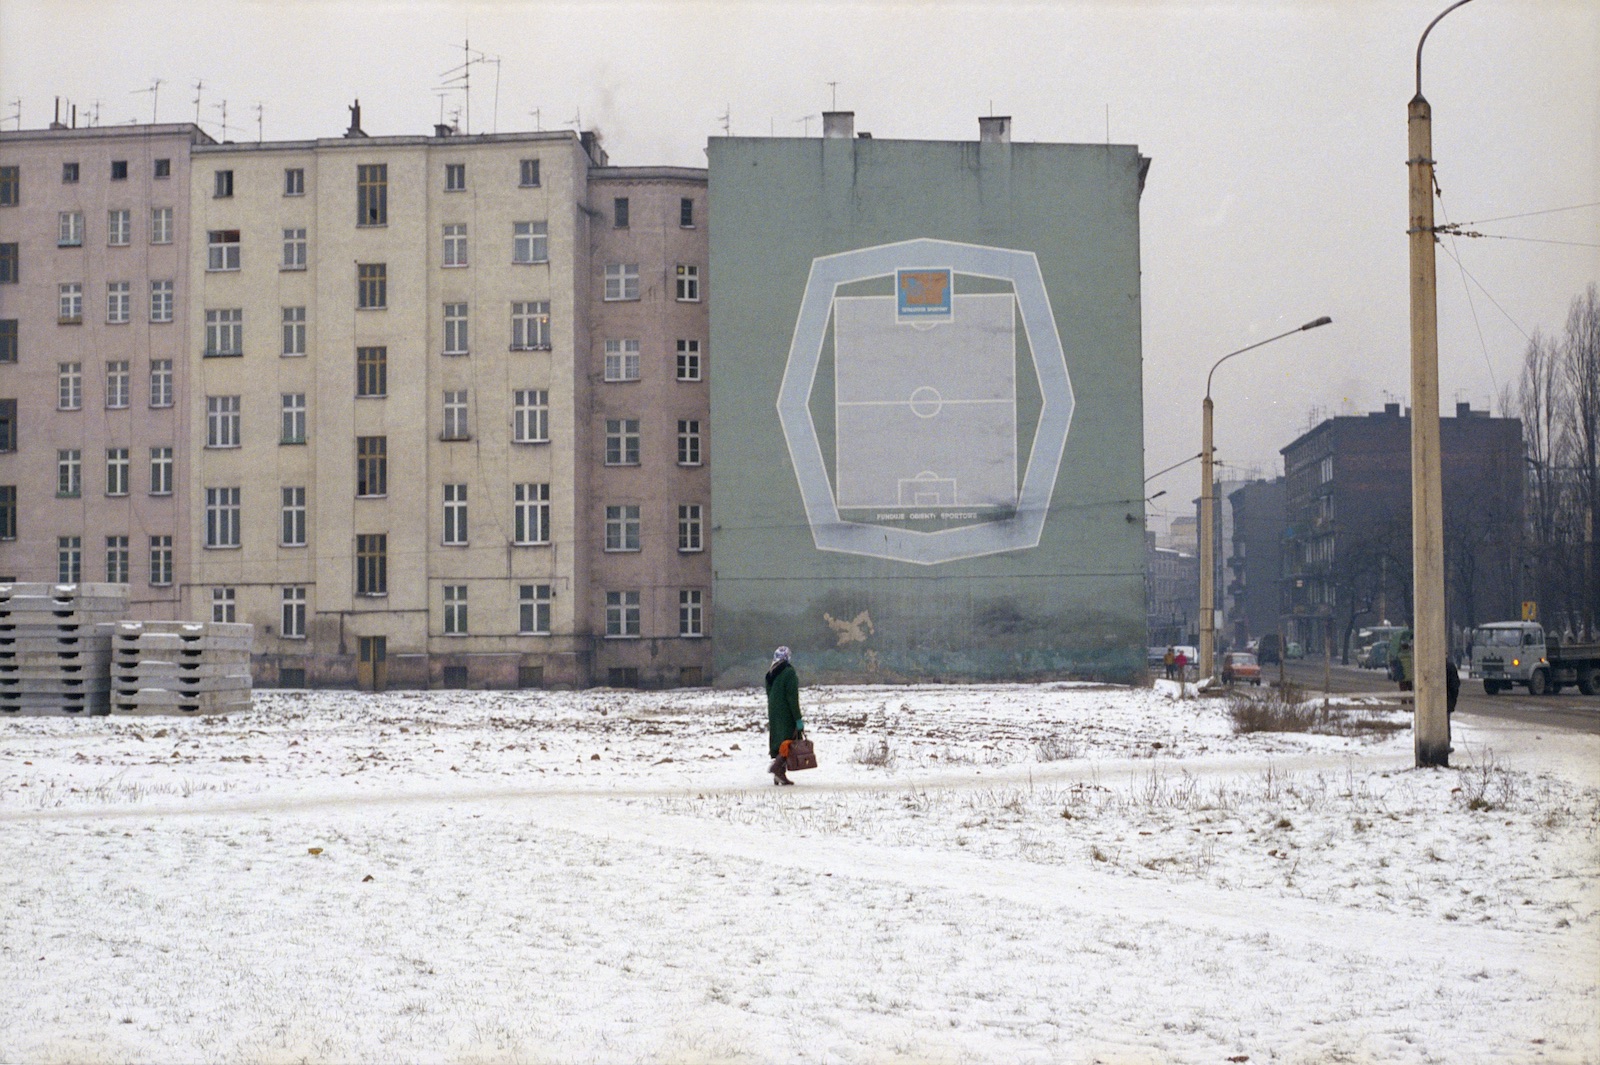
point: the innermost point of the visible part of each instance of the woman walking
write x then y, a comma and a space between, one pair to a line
783, 712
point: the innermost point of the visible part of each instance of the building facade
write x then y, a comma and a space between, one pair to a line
1347, 545
1254, 562
391, 406
94, 368
928, 406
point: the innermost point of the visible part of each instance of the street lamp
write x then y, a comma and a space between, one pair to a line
1208, 502
1430, 722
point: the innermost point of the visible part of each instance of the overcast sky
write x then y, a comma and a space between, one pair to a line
1277, 130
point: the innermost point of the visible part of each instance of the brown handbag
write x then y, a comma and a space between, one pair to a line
801, 755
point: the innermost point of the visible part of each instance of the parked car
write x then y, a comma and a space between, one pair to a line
1155, 657
1240, 666
1294, 650
1374, 656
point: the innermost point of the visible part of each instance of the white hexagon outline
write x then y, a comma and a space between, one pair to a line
1023, 529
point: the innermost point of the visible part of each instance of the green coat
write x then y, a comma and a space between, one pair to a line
783, 707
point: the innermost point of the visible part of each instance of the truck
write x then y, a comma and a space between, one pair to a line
1521, 652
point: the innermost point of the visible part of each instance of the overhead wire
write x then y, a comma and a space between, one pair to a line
1477, 324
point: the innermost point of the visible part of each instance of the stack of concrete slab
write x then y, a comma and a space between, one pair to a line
180, 667
55, 647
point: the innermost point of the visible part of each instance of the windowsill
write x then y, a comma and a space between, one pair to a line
293, 195
624, 636
534, 347
372, 225
454, 635
447, 543
530, 262
623, 550
161, 584
161, 406
222, 447
383, 496
292, 355
69, 243
292, 269
224, 355
120, 244
222, 547
619, 299
372, 595
69, 408
167, 495
384, 307
161, 321
529, 443
161, 243
525, 185
444, 439
291, 636
118, 321
375, 395
291, 546
117, 495
622, 380
69, 495
116, 406
222, 269
454, 266
680, 299
292, 443
691, 550
533, 634
621, 465
454, 354
690, 465
691, 635
70, 321
530, 543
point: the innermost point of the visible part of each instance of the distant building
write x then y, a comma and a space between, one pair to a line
1183, 533
1255, 509
1172, 595
1347, 558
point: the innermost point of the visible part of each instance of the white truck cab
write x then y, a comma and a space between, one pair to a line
1518, 652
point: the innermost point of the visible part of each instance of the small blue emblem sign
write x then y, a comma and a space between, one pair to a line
922, 294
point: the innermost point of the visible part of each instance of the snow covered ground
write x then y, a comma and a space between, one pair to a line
1062, 873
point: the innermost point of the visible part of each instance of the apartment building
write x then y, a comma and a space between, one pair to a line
649, 500
94, 382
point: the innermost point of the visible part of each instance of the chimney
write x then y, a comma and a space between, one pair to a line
1392, 409
839, 124
996, 129
442, 130
56, 123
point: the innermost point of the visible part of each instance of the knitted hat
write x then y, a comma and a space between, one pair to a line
781, 655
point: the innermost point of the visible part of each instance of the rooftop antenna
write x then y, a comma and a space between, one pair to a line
16, 112
223, 107
806, 128
199, 87
95, 119
260, 116
537, 118
727, 120
576, 122
155, 95
834, 85
461, 76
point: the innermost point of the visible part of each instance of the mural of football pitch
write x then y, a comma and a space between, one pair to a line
926, 401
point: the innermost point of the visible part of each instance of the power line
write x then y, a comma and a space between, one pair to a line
1487, 293
1530, 214
1471, 305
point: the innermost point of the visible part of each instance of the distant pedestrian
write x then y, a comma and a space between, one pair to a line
1170, 661
1452, 685
783, 713
1181, 661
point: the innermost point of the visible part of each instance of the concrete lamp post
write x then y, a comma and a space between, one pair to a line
1429, 645
1208, 503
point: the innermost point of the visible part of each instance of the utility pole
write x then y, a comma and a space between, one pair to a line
1429, 646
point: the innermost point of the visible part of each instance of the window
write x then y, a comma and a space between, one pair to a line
372, 466
688, 278
11, 184
686, 213
116, 560
163, 168
622, 281
69, 556
225, 333
294, 181
530, 242
294, 418
70, 303
691, 612
119, 170
8, 512
455, 610
10, 264
530, 325
69, 173
69, 473
222, 421
160, 560
69, 386
455, 177
530, 422
119, 228
293, 623
455, 416
1325, 470
292, 529
455, 515
372, 564
691, 528
222, 517
530, 173
688, 442
8, 340
688, 360
222, 605
294, 249
622, 441
455, 329
533, 609
160, 225
222, 184
294, 331
161, 471
70, 229
372, 372
619, 212
161, 382
119, 302
118, 389
622, 528
531, 514
455, 244
622, 360
222, 249
372, 286
8, 425
372, 194
161, 301
622, 614
117, 467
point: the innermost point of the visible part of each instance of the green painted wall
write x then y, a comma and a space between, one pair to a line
1072, 605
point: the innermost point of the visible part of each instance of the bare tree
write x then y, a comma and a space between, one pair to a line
1580, 371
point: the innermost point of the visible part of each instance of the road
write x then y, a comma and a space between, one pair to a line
1569, 710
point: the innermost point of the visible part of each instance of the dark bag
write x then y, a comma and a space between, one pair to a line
802, 755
